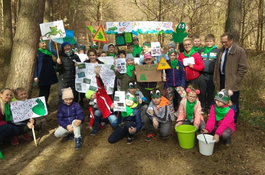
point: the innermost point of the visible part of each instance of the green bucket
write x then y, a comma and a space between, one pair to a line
186, 136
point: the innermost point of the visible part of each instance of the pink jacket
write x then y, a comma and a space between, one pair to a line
197, 112
227, 121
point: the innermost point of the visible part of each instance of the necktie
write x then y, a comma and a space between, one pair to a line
223, 68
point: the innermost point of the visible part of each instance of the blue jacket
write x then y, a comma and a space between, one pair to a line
135, 117
176, 76
66, 114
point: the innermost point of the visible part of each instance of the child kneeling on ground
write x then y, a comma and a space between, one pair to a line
221, 118
190, 110
70, 117
129, 122
158, 115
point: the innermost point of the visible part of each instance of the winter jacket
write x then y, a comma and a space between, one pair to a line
190, 73
175, 77
222, 125
103, 100
235, 68
66, 71
137, 50
125, 78
44, 69
67, 114
209, 60
197, 111
135, 117
162, 112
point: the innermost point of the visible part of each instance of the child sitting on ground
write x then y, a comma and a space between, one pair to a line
221, 118
190, 110
158, 115
70, 118
104, 103
24, 126
129, 122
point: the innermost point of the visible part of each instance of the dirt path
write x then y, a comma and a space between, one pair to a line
97, 156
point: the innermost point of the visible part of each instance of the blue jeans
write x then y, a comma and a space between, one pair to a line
98, 116
8, 130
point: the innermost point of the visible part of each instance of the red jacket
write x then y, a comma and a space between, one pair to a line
190, 73
103, 100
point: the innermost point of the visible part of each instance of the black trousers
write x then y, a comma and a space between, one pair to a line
45, 91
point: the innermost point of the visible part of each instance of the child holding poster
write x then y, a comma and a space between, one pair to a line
26, 125
129, 75
70, 117
173, 78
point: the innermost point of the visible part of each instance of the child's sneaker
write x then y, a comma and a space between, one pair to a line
14, 140
70, 137
78, 143
164, 138
26, 137
228, 142
94, 132
129, 140
149, 137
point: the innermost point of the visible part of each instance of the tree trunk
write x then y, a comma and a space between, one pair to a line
233, 21
24, 50
7, 35
46, 17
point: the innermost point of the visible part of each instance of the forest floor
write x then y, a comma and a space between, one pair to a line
97, 156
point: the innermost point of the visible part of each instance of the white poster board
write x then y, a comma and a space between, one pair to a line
30, 108
52, 30
136, 60
107, 60
119, 27
86, 77
121, 65
155, 49
82, 57
119, 101
187, 61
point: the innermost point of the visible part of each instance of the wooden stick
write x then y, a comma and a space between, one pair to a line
34, 137
56, 48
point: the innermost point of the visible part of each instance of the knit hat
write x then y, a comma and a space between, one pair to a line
223, 96
89, 93
147, 55
129, 56
135, 39
64, 44
94, 46
67, 93
172, 45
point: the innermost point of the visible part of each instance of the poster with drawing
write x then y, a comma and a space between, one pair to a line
147, 73
121, 65
155, 49
107, 60
86, 77
52, 30
118, 27
30, 108
119, 101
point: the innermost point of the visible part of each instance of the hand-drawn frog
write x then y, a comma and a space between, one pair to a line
39, 109
54, 31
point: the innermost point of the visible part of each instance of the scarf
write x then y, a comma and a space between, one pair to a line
8, 113
113, 55
127, 113
173, 63
208, 49
45, 51
129, 70
220, 112
192, 51
196, 49
190, 109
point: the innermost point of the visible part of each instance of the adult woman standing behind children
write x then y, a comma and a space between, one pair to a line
192, 71
66, 67
6, 128
44, 74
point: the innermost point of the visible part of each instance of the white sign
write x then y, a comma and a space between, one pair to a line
86, 77
107, 60
82, 57
187, 61
121, 65
52, 30
119, 27
30, 108
119, 101
155, 49
136, 60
